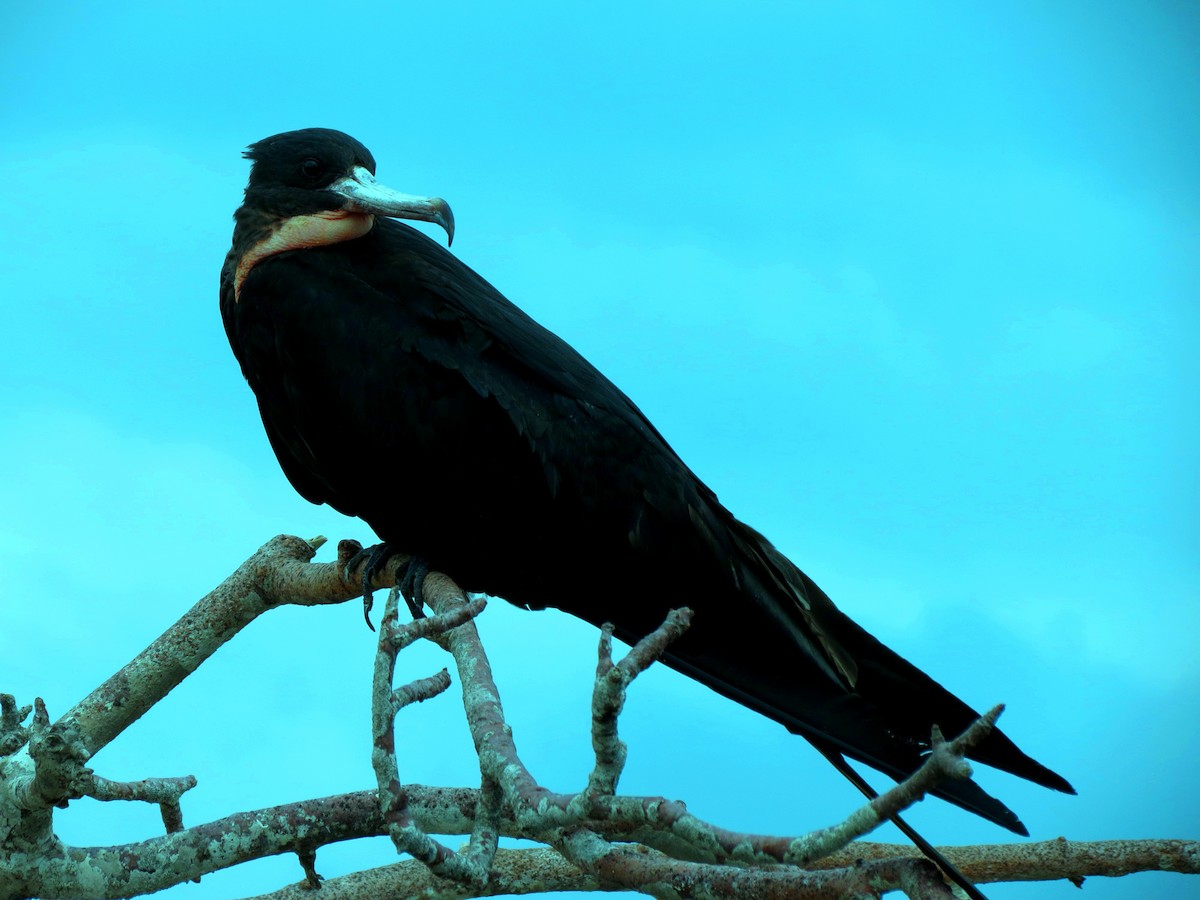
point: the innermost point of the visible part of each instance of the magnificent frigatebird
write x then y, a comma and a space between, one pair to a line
398, 386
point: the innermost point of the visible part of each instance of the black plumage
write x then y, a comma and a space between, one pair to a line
398, 386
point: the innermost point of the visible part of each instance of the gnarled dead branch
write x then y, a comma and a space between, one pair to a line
594, 839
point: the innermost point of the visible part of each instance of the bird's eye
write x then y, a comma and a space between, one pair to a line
312, 167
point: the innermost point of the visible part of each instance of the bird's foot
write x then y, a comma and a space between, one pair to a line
412, 584
411, 574
372, 559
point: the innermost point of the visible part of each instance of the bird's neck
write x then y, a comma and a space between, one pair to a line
260, 239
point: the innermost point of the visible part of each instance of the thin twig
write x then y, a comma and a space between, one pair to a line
945, 761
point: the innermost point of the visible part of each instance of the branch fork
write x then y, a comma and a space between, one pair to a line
646, 844
471, 867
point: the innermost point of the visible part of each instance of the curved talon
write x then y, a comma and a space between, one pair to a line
376, 557
368, 602
412, 585
411, 575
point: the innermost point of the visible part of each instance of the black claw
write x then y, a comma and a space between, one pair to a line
412, 585
376, 558
411, 574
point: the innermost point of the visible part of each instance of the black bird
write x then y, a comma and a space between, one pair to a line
398, 386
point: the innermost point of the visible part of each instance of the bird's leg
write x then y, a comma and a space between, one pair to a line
410, 574
412, 584
376, 557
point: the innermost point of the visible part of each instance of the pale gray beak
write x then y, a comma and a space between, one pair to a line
364, 194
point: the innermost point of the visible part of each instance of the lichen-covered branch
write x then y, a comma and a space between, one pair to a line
540, 870
608, 695
514, 872
947, 760
1048, 860
42, 765
279, 572
604, 841
630, 868
386, 703
267, 832
13, 733
494, 745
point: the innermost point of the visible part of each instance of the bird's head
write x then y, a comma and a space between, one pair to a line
311, 188
322, 172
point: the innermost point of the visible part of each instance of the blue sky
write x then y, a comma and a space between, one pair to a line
914, 290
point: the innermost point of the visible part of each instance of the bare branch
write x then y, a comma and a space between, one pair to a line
649, 844
146, 866
58, 758
654, 873
13, 734
541, 870
498, 758
308, 862
945, 761
252, 835
608, 695
484, 842
386, 702
163, 791
151, 790
1046, 860
519, 872
278, 573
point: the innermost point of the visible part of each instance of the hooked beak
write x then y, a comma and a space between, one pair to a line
365, 195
